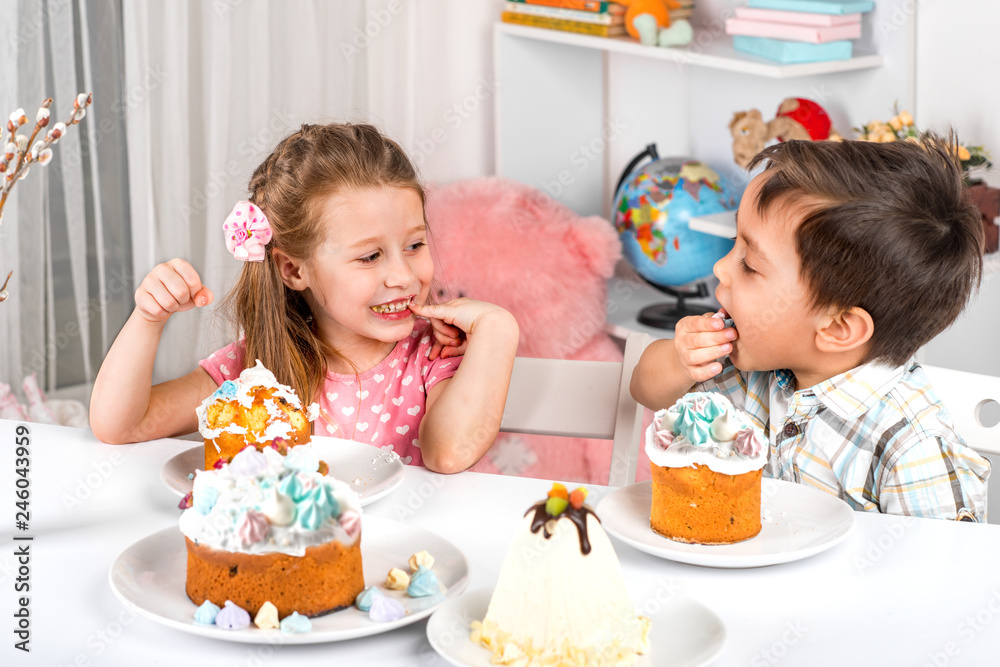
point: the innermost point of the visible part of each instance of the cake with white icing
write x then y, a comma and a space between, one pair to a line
266, 527
255, 410
561, 597
706, 459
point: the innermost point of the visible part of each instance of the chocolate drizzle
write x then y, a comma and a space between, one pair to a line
577, 516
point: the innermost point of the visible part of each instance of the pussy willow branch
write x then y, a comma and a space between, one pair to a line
27, 155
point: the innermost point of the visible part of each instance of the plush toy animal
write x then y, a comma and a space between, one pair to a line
507, 243
649, 22
797, 118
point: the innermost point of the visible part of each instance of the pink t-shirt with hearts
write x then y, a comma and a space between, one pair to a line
388, 406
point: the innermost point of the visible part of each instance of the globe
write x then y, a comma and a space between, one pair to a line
652, 208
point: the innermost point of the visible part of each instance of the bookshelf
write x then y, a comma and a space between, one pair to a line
572, 110
717, 54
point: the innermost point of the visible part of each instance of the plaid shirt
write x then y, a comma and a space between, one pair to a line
876, 436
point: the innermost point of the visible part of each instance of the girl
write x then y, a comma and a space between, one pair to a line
338, 270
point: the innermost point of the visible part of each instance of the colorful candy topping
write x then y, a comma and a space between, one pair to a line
302, 459
704, 419
385, 609
559, 499
420, 559
205, 501
379, 607
397, 580
315, 507
186, 502
276, 508
267, 616
295, 624
558, 505
232, 617
423, 583
206, 613
749, 442
365, 598
252, 527
351, 522
248, 463
226, 391
279, 445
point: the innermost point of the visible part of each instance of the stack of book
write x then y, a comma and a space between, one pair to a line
589, 17
798, 31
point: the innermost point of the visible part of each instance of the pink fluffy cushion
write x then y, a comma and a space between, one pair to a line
507, 243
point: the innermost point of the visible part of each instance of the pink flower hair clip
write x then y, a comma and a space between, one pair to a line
247, 232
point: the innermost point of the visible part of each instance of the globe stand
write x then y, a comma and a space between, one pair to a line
665, 315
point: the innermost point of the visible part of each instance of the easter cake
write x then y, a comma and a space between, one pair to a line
253, 410
706, 459
270, 528
561, 597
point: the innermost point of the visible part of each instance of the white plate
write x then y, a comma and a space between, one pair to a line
684, 633
149, 578
797, 521
372, 472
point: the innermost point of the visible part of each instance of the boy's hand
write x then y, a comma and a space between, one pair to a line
170, 288
699, 341
453, 321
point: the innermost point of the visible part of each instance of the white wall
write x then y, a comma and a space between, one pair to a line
941, 63
958, 84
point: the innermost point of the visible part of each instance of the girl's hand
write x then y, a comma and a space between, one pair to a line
170, 288
454, 321
449, 341
698, 342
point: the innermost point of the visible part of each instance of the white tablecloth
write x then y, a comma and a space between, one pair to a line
897, 592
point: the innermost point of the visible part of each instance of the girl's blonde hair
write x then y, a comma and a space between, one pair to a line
290, 187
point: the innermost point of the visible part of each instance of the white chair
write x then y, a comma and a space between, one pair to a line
970, 397
582, 399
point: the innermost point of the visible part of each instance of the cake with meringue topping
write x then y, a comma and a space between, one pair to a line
267, 527
706, 458
561, 597
255, 410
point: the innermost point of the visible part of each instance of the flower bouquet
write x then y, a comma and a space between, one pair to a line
22, 151
902, 128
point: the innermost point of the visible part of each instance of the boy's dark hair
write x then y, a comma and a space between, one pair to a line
889, 227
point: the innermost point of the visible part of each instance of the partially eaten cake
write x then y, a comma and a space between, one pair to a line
255, 410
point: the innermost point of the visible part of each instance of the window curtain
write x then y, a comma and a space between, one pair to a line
203, 90
64, 231
224, 81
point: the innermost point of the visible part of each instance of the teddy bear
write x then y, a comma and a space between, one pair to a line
507, 243
648, 21
797, 118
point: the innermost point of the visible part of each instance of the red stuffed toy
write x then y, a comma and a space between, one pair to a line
797, 118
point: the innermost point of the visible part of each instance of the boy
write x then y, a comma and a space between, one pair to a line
848, 258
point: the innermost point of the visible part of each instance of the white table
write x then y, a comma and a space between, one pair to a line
896, 592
